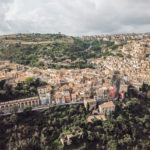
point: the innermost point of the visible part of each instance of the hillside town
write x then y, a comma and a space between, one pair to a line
74, 75
86, 85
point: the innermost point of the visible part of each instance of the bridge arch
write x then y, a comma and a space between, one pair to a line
22, 105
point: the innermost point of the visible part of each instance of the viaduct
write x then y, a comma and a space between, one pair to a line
21, 103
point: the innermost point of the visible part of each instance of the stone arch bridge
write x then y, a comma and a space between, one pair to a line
21, 103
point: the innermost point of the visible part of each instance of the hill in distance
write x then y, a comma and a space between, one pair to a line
53, 50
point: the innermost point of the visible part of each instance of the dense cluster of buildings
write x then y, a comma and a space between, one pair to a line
89, 85
45, 98
117, 37
135, 68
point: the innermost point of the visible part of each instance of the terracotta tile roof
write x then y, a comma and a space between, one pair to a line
22, 79
90, 100
68, 60
63, 71
107, 104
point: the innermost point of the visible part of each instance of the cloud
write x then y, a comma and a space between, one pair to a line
77, 17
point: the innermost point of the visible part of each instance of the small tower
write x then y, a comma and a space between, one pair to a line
116, 82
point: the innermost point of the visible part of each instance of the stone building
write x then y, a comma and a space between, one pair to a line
91, 103
44, 93
107, 108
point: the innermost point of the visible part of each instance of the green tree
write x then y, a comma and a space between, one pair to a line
29, 80
14, 109
13, 118
1, 111
29, 144
112, 145
27, 109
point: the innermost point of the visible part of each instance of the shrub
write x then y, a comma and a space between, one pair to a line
129, 56
14, 109
27, 109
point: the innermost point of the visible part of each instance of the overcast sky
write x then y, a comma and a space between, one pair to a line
74, 17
